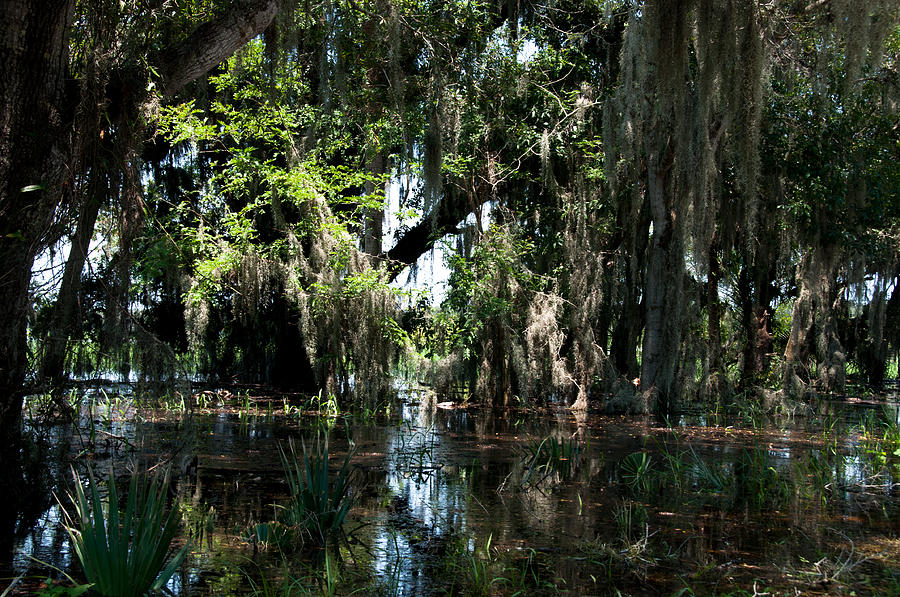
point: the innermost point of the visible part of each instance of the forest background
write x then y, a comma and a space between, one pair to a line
642, 205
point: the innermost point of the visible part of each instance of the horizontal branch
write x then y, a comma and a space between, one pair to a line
453, 208
213, 42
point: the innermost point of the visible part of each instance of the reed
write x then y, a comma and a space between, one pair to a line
551, 456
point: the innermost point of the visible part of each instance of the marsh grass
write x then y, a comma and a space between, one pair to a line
124, 553
636, 471
880, 431
552, 456
302, 579
318, 504
477, 570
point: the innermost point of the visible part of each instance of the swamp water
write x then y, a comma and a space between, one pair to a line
474, 502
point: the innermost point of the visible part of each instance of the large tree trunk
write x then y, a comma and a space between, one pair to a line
374, 224
715, 367
892, 324
662, 289
873, 355
33, 151
187, 60
34, 147
749, 326
814, 329
627, 331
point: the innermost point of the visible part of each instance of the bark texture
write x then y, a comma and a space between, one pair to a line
662, 288
213, 42
34, 150
33, 154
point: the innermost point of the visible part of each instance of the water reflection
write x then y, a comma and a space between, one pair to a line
426, 478
714, 501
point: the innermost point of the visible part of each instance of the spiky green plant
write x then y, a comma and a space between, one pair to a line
318, 504
552, 454
636, 470
476, 571
123, 553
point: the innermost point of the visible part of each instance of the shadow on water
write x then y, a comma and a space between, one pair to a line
466, 501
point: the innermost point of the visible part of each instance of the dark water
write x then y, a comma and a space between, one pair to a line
454, 501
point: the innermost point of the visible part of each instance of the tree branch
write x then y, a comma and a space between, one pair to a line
213, 42
452, 209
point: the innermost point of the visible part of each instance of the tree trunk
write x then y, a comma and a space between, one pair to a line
715, 371
662, 289
36, 146
33, 50
749, 327
892, 323
33, 152
874, 355
65, 310
628, 327
374, 225
814, 329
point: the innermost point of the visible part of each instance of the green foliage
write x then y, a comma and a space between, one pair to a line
551, 455
124, 553
57, 590
637, 472
880, 435
478, 571
318, 504
483, 286
272, 187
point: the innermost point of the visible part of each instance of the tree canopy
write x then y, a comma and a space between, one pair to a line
641, 204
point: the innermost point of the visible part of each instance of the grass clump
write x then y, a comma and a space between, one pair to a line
552, 456
318, 504
477, 570
124, 553
636, 471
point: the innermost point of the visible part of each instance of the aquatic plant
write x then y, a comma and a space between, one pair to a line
635, 470
124, 553
52, 589
836, 569
631, 521
681, 469
327, 405
710, 478
549, 456
290, 583
479, 571
317, 504
415, 453
881, 435
756, 481
629, 554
